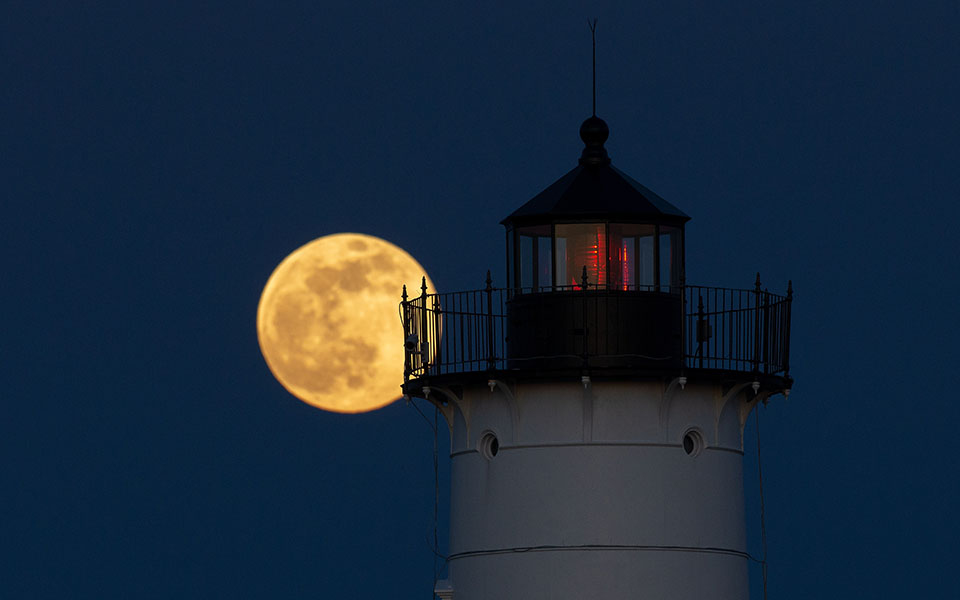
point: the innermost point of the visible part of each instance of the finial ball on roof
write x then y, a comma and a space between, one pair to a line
594, 131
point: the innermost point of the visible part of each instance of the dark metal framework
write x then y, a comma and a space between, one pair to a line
734, 331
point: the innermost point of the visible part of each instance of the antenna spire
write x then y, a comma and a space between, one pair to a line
593, 35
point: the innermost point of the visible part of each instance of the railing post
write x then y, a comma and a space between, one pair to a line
683, 323
786, 330
766, 331
424, 335
491, 360
756, 325
701, 328
435, 336
405, 308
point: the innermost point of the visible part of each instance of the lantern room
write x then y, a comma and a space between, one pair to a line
595, 271
595, 227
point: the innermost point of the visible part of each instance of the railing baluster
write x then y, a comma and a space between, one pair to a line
489, 290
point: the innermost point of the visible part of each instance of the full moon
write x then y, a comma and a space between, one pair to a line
329, 324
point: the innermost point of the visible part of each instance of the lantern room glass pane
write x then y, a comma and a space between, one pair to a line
526, 262
534, 248
670, 258
645, 264
623, 262
581, 246
631, 256
545, 263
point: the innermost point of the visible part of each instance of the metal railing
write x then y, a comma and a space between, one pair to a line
737, 330
723, 329
455, 332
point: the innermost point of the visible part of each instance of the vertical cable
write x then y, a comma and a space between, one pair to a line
436, 501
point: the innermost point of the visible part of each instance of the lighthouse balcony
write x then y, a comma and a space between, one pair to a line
597, 331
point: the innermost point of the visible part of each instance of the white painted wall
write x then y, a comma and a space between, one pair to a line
591, 494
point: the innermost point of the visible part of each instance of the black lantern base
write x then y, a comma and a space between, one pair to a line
586, 329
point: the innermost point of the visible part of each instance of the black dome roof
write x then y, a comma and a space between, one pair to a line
596, 190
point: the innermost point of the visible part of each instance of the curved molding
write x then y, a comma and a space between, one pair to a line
747, 407
678, 382
666, 398
448, 408
462, 406
722, 401
511, 403
735, 391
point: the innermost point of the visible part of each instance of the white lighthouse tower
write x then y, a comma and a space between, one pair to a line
597, 402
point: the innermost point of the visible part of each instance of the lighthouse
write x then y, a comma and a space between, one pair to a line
596, 401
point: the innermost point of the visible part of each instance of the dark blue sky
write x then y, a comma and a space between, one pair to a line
156, 163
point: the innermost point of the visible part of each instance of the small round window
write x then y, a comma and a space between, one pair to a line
489, 445
693, 442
